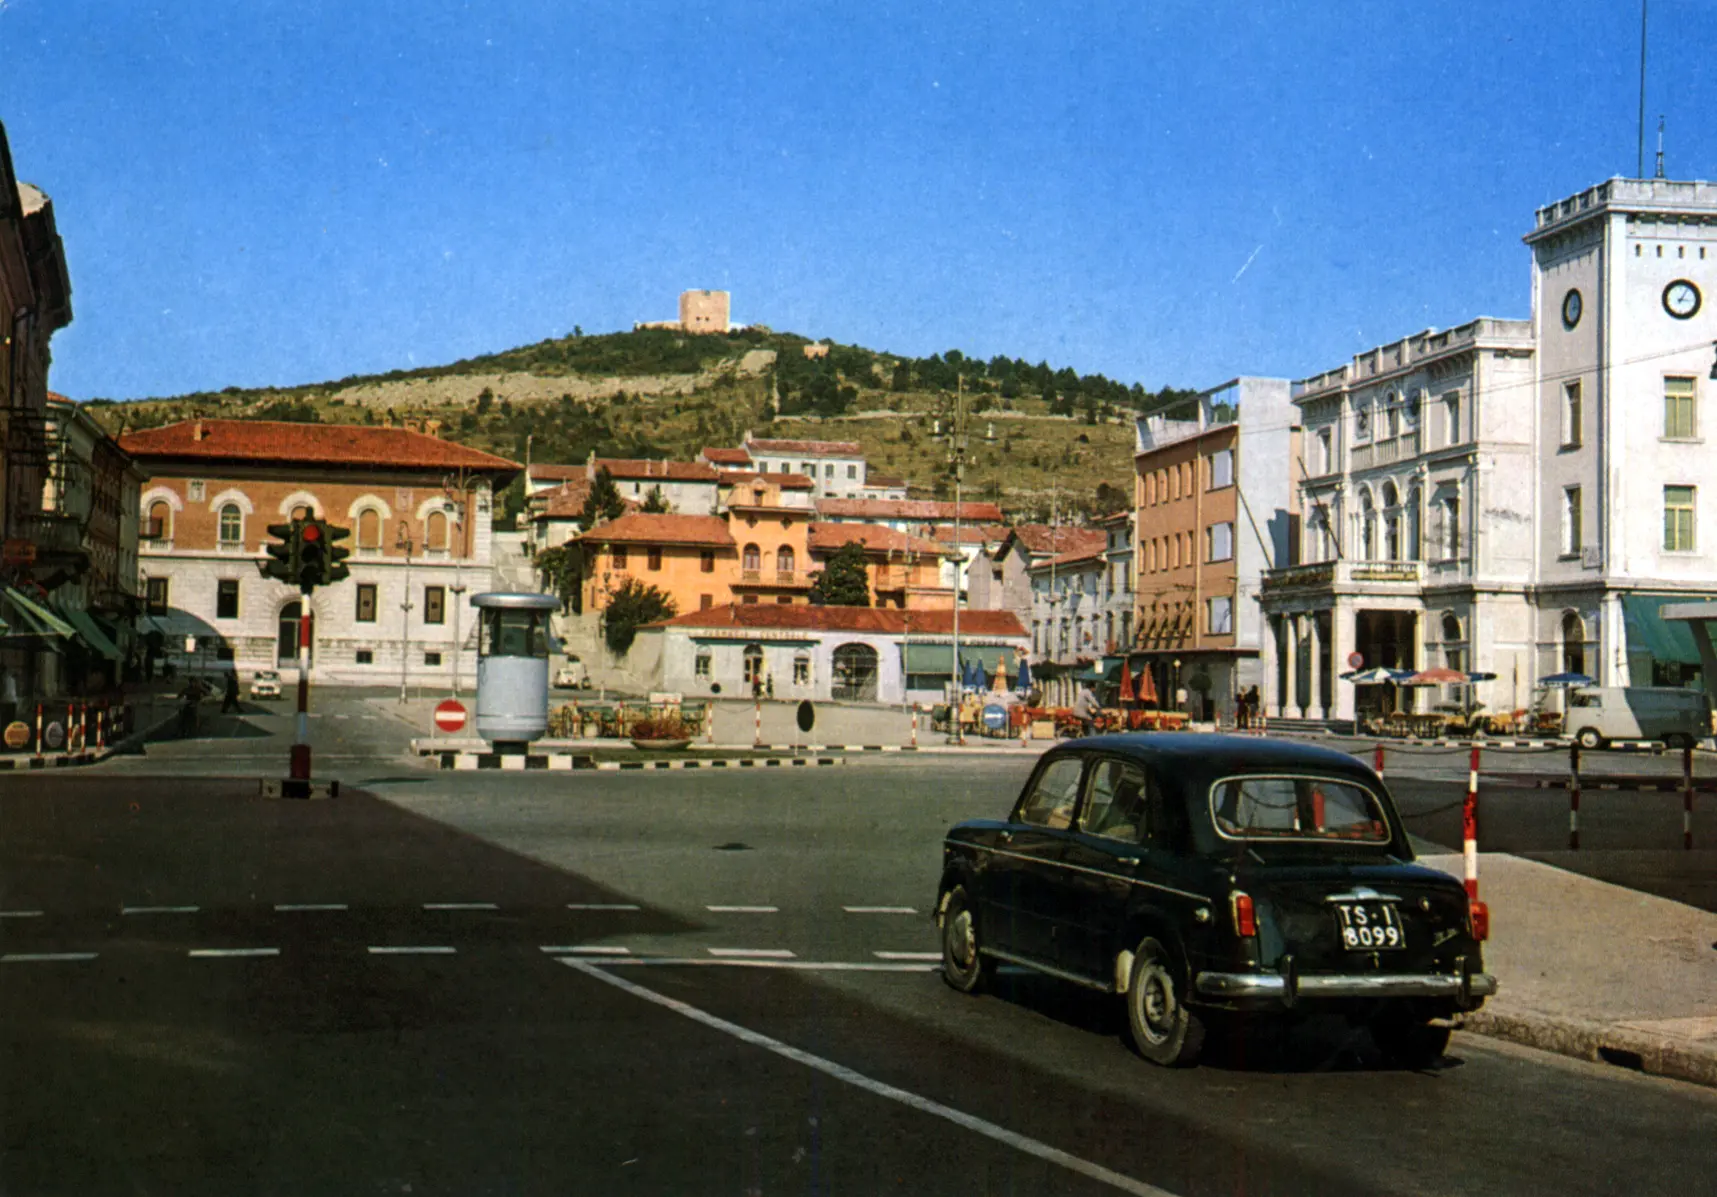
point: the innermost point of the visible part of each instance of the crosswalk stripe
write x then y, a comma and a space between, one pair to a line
755, 953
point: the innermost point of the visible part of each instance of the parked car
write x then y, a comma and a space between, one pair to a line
265, 683
1196, 873
1599, 714
572, 675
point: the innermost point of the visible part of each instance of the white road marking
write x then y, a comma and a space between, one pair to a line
840, 1072
460, 906
755, 953
587, 949
808, 966
44, 957
412, 950
600, 906
20, 914
743, 909
932, 956
222, 953
295, 907
158, 910
879, 909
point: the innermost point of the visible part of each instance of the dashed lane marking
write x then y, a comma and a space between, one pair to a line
412, 950
159, 909
880, 909
586, 949
298, 907
20, 914
460, 906
841, 1072
44, 957
600, 906
808, 966
752, 953
932, 956
224, 953
743, 909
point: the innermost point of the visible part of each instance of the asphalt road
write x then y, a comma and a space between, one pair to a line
202, 991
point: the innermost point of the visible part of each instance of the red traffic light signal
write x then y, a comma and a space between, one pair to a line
312, 531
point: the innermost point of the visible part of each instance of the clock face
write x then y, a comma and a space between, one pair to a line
1681, 299
1572, 306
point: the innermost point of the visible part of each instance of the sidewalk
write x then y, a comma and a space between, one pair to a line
1596, 971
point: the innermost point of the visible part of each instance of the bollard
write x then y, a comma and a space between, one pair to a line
709, 729
38, 729
1574, 797
1470, 827
757, 737
914, 715
1377, 760
1687, 798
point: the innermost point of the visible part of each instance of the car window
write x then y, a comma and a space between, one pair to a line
1054, 792
1297, 808
1115, 802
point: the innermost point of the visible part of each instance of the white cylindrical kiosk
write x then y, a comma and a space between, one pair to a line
513, 648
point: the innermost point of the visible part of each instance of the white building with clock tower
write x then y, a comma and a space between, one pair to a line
1519, 497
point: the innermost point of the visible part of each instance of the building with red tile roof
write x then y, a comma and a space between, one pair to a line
909, 515
278, 443
726, 458
837, 467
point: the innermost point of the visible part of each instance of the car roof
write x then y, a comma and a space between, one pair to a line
1203, 752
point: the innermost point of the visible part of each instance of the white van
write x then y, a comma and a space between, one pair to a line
572, 675
1599, 714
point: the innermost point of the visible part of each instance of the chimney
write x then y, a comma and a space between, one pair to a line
432, 428
198, 432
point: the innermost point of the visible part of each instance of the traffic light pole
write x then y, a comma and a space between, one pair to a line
300, 770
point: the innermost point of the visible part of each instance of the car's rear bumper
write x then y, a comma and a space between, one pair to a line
1289, 987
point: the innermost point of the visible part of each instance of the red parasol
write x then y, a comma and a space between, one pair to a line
1147, 688
1126, 694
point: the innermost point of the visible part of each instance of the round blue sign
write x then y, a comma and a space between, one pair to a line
995, 716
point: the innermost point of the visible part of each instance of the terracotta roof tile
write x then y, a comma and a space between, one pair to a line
642, 528
826, 538
549, 471
1043, 539
808, 448
726, 457
970, 533
642, 469
307, 444
911, 509
888, 621
784, 481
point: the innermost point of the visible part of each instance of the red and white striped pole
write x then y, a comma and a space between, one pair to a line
1470, 828
757, 737
1377, 760
1687, 797
1574, 797
300, 770
913, 711
38, 729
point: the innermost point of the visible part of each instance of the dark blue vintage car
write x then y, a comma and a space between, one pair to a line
1190, 873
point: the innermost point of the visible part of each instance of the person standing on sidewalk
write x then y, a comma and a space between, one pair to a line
229, 702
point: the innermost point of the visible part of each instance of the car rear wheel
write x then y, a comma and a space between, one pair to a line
1678, 741
1161, 1027
1409, 1041
1589, 738
963, 966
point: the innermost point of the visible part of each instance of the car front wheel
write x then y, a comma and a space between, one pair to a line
1589, 738
1162, 1029
963, 966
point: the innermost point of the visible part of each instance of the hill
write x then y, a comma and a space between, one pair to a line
1037, 435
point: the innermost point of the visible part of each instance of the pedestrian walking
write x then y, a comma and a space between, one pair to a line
229, 701
1085, 710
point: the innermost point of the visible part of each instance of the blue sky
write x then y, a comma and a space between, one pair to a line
1167, 193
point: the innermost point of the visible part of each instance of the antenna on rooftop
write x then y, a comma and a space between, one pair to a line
1659, 174
1642, 16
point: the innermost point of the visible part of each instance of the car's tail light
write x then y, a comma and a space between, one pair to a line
1245, 917
1478, 918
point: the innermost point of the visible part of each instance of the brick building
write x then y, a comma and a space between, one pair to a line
419, 510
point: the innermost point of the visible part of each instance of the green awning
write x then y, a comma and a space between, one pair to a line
90, 633
1649, 633
35, 618
939, 658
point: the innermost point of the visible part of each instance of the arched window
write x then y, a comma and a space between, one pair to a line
1367, 527
753, 658
232, 524
1454, 643
435, 532
302, 511
752, 559
1415, 526
784, 559
1391, 522
1573, 643
369, 528
160, 520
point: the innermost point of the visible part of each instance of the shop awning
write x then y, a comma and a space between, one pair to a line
90, 633
1649, 632
939, 658
34, 619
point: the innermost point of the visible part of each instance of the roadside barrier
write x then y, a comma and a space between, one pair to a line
1470, 827
757, 737
1577, 783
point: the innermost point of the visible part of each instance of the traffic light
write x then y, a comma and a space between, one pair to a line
282, 564
338, 571
312, 554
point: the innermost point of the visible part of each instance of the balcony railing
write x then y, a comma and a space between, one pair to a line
751, 575
1323, 575
785, 577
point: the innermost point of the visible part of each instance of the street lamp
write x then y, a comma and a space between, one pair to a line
1177, 683
457, 488
403, 541
951, 414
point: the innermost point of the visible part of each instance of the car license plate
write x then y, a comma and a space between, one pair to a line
1370, 926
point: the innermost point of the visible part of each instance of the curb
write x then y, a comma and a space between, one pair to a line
566, 763
1601, 1043
89, 756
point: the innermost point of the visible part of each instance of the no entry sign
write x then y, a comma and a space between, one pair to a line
450, 716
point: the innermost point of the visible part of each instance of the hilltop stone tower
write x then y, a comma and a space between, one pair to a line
704, 311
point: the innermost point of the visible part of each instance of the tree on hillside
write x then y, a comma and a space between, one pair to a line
656, 503
631, 607
484, 399
1110, 498
843, 580
603, 503
559, 571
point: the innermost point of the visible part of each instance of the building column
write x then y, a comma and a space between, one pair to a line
1341, 633
1289, 700
1314, 696
1267, 663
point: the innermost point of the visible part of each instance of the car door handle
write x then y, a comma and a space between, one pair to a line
1130, 861
1006, 837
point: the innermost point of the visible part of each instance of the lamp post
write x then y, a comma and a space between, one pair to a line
403, 541
1177, 683
954, 413
457, 487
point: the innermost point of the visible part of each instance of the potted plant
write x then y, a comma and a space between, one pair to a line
660, 731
